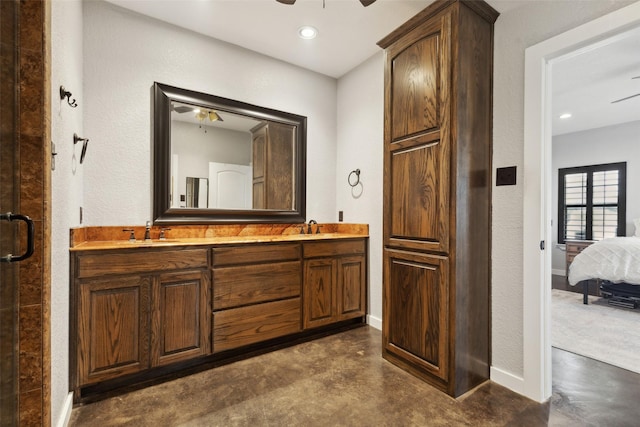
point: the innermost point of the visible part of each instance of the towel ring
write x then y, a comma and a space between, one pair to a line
357, 174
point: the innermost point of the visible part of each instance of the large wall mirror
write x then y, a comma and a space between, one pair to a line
217, 160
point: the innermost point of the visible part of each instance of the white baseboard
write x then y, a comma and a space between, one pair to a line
507, 380
558, 272
63, 421
374, 322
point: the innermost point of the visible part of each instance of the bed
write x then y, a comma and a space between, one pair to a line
615, 263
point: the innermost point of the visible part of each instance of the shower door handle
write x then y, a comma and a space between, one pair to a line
30, 237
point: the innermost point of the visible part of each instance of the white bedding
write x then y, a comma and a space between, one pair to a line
616, 259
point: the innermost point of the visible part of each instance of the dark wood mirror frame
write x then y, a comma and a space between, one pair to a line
163, 213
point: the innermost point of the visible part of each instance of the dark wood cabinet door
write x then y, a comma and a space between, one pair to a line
416, 304
351, 287
180, 317
417, 140
113, 328
319, 292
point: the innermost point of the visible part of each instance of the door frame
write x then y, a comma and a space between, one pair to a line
537, 186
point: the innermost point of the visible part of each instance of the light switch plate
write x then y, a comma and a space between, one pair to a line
506, 176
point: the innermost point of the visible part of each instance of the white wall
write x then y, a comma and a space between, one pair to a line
612, 144
360, 146
124, 53
66, 184
516, 30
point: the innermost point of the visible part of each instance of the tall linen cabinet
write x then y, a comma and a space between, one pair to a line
437, 194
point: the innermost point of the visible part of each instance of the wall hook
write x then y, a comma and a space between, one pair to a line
357, 178
66, 94
85, 141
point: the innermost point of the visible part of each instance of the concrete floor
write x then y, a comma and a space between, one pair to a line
342, 380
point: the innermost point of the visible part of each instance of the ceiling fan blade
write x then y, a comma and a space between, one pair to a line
624, 99
182, 109
366, 3
286, 1
636, 77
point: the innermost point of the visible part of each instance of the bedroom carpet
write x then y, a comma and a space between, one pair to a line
599, 331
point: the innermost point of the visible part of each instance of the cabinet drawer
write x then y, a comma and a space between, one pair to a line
93, 264
250, 284
238, 327
229, 255
333, 247
573, 248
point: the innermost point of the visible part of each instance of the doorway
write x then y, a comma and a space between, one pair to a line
537, 197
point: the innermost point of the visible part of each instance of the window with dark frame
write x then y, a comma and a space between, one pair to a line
592, 202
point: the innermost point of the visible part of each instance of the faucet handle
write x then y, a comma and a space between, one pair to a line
162, 235
317, 229
132, 236
302, 229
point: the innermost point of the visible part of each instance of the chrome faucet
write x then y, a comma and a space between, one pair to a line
162, 233
147, 232
132, 236
309, 229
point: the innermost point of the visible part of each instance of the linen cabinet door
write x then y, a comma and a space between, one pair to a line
416, 304
180, 317
113, 328
418, 139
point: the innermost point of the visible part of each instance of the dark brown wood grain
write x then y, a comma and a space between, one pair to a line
113, 328
100, 263
319, 292
273, 161
242, 326
254, 254
335, 282
437, 194
351, 287
417, 306
333, 247
252, 284
415, 100
181, 327
142, 312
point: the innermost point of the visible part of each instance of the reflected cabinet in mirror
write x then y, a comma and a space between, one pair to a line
217, 160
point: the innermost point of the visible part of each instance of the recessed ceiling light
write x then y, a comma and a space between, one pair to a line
307, 32
565, 115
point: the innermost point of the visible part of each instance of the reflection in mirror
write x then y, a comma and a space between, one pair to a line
197, 192
221, 160
217, 145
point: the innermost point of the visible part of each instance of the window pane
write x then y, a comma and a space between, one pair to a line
575, 223
605, 187
591, 202
575, 189
605, 222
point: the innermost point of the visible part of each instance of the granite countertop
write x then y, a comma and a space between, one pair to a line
102, 238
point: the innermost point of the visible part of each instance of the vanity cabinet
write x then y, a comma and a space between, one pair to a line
256, 293
135, 310
273, 157
437, 194
141, 313
334, 282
